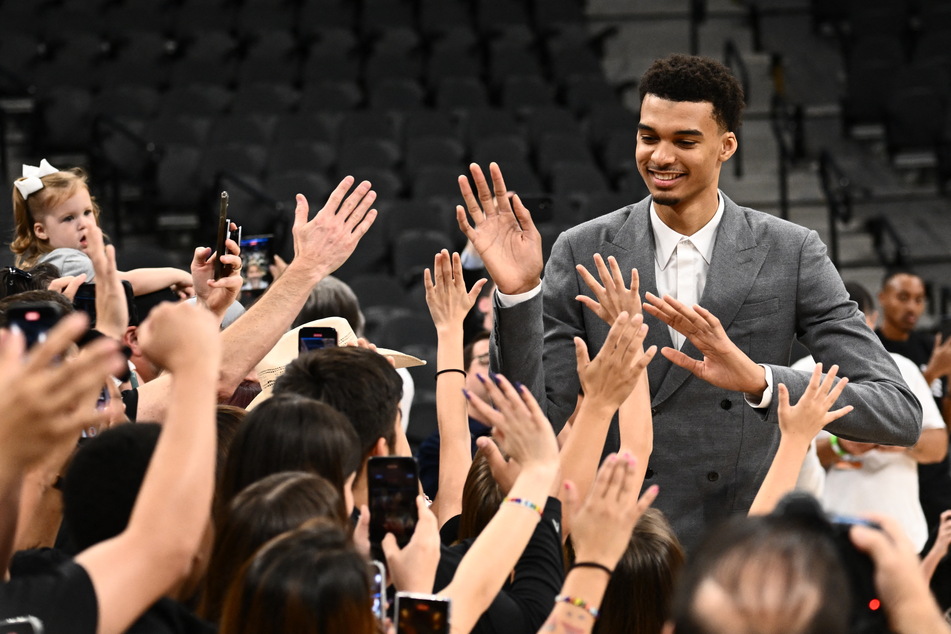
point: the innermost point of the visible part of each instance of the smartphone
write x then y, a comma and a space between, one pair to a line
866, 610
393, 484
224, 228
378, 590
21, 625
257, 253
34, 320
316, 338
944, 328
421, 613
85, 300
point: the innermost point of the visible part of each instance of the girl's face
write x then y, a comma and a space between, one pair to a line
66, 224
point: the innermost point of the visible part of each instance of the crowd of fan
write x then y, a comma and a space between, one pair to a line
205, 516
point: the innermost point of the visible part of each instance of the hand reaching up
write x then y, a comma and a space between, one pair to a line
601, 529
413, 567
813, 412
446, 294
611, 296
519, 425
611, 376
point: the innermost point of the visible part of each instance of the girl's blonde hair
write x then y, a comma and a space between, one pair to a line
57, 188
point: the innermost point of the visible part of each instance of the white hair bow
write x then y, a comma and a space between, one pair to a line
31, 183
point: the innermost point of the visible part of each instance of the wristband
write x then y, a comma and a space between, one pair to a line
592, 564
462, 372
526, 503
578, 603
837, 448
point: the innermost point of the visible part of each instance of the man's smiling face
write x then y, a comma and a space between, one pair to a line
680, 147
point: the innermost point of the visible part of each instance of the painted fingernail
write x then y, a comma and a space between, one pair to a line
466, 393
519, 386
480, 377
495, 378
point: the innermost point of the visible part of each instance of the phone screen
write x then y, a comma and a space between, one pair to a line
256, 255
393, 485
34, 320
315, 338
421, 614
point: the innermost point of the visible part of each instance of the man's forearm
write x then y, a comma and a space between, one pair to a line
255, 333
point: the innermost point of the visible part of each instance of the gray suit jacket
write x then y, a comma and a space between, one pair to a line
769, 281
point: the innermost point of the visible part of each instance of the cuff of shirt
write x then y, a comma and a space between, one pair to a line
767, 393
507, 301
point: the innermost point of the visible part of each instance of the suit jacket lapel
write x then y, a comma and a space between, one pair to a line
736, 262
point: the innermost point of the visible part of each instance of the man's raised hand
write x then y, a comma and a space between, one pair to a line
502, 232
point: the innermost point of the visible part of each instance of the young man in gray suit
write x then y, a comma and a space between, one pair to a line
725, 291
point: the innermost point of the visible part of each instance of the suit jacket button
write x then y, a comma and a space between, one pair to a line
648, 474
653, 411
713, 476
726, 403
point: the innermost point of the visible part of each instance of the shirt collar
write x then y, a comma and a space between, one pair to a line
666, 239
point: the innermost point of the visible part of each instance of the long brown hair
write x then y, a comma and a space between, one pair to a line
638, 597
307, 580
57, 188
267, 508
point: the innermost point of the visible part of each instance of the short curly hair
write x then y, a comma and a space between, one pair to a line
693, 78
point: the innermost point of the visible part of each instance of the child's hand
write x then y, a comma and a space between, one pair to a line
609, 379
446, 295
804, 420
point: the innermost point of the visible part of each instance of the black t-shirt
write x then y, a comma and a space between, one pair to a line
918, 348
525, 602
61, 600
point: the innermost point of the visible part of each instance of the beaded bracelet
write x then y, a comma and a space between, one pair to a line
578, 603
526, 503
462, 372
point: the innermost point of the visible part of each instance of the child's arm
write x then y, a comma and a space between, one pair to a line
448, 304
798, 425
149, 280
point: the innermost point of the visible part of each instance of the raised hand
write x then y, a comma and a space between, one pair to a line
602, 527
176, 336
112, 310
446, 294
611, 377
323, 244
612, 297
217, 295
939, 365
519, 425
813, 412
724, 364
502, 232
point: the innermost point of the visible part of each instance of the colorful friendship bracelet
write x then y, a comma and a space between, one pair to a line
578, 603
526, 503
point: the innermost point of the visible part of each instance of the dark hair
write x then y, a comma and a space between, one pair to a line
102, 482
482, 335
38, 278
780, 574
308, 580
481, 497
29, 297
638, 597
332, 297
271, 506
289, 433
861, 296
229, 419
895, 272
697, 79
359, 383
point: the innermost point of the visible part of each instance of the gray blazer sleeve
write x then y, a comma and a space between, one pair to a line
835, 332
